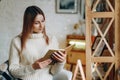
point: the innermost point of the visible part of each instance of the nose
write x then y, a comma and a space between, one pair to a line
40, 25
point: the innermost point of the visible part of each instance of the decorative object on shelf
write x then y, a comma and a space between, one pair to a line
79, 28
100, 48
76, 28
66, 6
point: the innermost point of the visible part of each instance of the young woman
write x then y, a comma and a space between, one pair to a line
28, 49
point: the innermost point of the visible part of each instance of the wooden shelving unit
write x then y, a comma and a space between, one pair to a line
92, 17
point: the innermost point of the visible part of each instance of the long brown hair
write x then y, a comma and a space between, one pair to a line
30, 13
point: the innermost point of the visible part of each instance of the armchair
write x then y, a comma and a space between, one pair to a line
5, 75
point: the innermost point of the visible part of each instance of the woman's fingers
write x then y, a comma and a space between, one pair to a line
59, 56
44, 63
41, 64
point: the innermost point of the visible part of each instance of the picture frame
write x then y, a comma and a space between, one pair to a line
66, 6
82, 8
101, 47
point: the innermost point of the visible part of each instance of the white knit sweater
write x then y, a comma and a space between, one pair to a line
36, 48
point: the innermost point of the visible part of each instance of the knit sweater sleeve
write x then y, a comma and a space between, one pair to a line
57, 67
16, 69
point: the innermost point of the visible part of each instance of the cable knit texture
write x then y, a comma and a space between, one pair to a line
35, 49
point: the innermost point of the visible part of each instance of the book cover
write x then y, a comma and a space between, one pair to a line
51, 51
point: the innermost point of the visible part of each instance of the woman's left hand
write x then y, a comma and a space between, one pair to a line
60, 56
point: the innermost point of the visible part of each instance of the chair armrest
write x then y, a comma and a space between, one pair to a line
5, 75
63, 75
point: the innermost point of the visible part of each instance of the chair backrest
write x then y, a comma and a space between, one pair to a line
78, 73
4, 71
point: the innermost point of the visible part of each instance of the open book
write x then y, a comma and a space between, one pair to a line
51, 51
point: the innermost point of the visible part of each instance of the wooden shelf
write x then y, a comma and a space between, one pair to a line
75, 37
74, 55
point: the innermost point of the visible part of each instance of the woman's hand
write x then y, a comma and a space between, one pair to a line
39, 64
59, 56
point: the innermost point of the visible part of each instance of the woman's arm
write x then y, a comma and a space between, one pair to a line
16, 69
60, 57
57, 67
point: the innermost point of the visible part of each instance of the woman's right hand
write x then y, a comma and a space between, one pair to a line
39, 64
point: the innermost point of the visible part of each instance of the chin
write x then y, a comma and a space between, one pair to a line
41, 31
38, 32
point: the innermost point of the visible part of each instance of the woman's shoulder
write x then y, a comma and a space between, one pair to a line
16, 39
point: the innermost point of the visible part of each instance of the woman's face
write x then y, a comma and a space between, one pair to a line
38, 24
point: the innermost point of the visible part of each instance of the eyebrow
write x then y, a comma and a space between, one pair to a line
40, 20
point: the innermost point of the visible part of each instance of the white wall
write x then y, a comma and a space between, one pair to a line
11, 16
